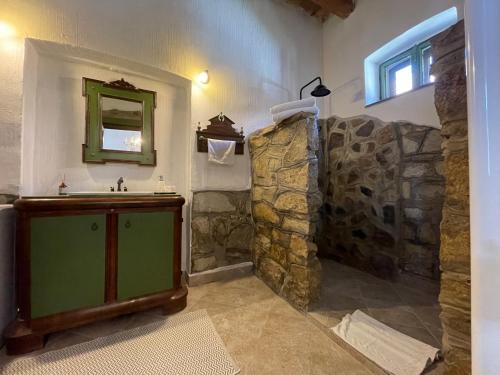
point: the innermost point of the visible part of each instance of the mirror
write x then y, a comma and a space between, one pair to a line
120, 123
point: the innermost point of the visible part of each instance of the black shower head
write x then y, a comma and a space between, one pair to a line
320, 90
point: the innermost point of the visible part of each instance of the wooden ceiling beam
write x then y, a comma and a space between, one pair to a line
310, 7
322, 9
341, 8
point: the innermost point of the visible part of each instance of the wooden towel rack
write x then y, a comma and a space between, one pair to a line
221, 127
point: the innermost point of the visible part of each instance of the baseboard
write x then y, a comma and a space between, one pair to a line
233, 271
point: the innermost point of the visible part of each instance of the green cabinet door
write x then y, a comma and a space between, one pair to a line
67, 263
145, 253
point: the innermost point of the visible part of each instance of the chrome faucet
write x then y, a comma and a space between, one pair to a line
119, 183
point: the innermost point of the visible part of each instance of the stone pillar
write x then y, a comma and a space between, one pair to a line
285, 202
451, 104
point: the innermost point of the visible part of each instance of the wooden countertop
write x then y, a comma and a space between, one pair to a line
62, 202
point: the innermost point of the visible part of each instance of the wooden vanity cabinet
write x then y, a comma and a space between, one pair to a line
80, 260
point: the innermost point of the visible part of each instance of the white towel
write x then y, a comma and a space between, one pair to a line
395, 352
303, 103
221, 152
278, 117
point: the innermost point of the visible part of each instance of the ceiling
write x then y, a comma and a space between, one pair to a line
322, 9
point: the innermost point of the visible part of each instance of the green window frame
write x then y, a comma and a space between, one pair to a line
418, 66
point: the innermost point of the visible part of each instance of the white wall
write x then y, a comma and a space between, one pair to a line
258, 54
346, 44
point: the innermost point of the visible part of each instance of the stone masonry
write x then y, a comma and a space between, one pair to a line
221, 229
451, 104
7, 198
285, 203
383, 192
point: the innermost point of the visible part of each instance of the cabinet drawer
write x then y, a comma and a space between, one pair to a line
145, 253
67, 263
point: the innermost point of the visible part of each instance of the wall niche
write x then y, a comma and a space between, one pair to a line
221, 229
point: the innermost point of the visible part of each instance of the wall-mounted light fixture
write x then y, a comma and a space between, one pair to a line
6, 30
203, 77
8, 41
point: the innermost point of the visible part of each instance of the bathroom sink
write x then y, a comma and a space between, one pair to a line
114, 193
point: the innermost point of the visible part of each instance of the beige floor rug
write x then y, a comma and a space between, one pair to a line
182, 344
394, 351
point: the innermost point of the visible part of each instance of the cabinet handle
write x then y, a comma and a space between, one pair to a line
94, 227
127, 224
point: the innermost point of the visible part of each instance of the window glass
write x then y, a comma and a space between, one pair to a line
401, 78
427, 77
406, 71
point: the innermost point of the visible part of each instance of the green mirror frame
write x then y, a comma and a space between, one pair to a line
92, 150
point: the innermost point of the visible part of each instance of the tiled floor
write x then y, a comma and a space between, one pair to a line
263, 334
409, 305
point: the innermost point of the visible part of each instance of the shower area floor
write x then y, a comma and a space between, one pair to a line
409, 305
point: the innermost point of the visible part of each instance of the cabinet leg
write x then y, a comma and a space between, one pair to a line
177, 302
172, 309
20, 339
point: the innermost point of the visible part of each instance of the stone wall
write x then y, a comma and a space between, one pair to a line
451, 104
383, 192
221, 229
285, 203
7, 198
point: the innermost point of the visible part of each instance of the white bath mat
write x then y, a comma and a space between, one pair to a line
395, 352
183, 344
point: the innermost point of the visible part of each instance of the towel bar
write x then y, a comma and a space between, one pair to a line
203, 138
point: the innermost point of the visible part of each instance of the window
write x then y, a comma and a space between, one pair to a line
406, 71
